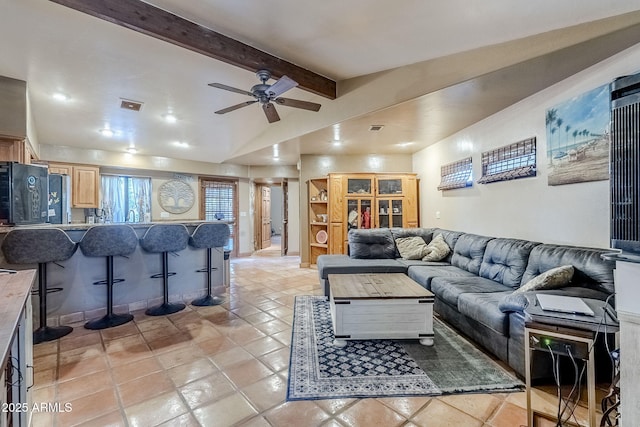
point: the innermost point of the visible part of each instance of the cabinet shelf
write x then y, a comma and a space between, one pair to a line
318, 210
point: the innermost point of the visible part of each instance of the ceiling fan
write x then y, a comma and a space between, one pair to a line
267, 94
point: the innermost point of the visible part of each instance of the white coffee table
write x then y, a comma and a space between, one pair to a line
380, 306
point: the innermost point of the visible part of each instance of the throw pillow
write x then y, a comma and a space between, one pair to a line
411, 247
551, 279
437, 249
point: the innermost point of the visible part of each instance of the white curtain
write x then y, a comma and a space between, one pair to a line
140, 201
113, 198
126, 199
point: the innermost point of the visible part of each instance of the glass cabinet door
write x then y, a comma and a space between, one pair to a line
359, 214
390, 187
390, 213
362, 186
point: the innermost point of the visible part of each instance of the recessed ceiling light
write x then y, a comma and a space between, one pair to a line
336, 143
132, 150
181, 144
169, 118
404, 144
106, 132
59, 96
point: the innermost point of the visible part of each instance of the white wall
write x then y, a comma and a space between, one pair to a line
245, 218
528, 208
294, 217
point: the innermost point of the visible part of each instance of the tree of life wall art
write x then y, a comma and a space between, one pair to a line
578, 138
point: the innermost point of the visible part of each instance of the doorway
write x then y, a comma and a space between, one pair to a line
271, 217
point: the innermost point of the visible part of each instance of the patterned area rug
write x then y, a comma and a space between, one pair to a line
382, 368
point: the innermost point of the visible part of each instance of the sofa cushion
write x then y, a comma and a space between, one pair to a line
437, 249
376, 243
590, 270
505, 260
343, 264
469, 251
424, 272
449, 289
412, 247
483, 308
551, 279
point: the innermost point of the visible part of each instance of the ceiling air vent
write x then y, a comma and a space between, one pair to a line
376, 128
130, 105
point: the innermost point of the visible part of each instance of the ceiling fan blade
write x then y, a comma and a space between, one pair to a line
230, 89
296, 103
281, 86
235, 107
270, 112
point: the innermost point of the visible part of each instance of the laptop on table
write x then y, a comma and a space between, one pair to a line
564, 304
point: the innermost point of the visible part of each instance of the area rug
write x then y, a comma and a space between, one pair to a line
384, 368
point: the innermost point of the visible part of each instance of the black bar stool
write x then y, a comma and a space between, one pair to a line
40, 246
165, 238
109, 241
208, 236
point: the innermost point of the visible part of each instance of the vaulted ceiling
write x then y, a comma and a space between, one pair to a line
422, 69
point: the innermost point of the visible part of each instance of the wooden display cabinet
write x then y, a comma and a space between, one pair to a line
365, 200
318, 218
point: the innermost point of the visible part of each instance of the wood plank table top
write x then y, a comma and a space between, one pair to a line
14, 291
375, 286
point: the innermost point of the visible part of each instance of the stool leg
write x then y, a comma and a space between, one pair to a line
208, 299
166, 307
110, 319
44, 332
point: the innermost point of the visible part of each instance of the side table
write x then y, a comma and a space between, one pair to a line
565, 334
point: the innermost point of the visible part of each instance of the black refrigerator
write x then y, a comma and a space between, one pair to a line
59, 199
24, 194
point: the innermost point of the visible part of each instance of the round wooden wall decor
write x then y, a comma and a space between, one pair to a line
176, 196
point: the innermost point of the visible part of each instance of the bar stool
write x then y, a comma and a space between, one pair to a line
208, 236
109, 241
165, 238
40, 246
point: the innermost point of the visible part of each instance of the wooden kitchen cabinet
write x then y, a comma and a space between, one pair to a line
16, 150
85, 183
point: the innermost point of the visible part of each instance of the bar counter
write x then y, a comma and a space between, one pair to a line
81, 300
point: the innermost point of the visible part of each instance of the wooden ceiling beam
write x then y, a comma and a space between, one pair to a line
158, 23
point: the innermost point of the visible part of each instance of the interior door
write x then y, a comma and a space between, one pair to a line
284, 242
266, 217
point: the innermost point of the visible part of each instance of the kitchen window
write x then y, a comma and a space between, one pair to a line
126, 198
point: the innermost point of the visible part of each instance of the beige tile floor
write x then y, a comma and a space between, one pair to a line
227, 366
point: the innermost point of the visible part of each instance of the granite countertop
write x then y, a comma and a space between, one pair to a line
14, 290
85, 226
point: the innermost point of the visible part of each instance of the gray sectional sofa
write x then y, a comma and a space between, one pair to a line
472, 283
